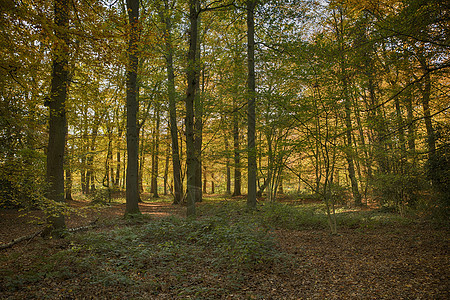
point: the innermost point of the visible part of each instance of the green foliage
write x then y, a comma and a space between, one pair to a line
438, 170
398, 190
22, 179
278, 215
240, 245
167, 248
102, 196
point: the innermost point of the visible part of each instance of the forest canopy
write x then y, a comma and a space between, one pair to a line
344, 101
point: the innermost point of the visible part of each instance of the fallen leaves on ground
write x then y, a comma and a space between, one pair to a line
404, 262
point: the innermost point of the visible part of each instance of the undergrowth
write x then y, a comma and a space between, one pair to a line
205, 258
163, 255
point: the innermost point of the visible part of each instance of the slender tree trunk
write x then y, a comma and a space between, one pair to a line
108, 177
155, 160
280, 185
68, 181
132, 193
228, 169
401, 131
198, 120
411, 126
166, 169
192, 78
251, 115
83, 175
176, 165
68, 184
367, 160
90, 173
124, 172
204, 180
118, 158
142, 145
349, 153
237, 155
434, 167
426, 91
57, 117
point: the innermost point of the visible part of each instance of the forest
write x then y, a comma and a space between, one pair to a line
224, 149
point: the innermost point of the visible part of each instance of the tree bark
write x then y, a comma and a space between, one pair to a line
251, 115
166, 169
132, 194
237, 154
349, 151
69, 179
155, 160
57, 117
228, 169
347, 105
176, 165
198, 129
192, 84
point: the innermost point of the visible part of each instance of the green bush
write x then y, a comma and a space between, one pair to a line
101, 196
283, 216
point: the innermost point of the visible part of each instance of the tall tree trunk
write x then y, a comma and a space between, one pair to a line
198, 131
237, 154
83, 174
367, 159
228, 169
411, 126
90, 173
434, 168
108, 177
132, 194
401, 131
349, 146
68, 184
194, 7
251, 115
155, 160
204, 180
426, 91
347, 104
176, 165
166, 169
68, 181
142, 145
57, 117
118, 158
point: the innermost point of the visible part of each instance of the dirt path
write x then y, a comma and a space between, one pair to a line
15, 223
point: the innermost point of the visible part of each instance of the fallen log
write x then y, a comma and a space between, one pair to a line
32, 236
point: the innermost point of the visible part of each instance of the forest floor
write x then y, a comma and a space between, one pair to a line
156, 257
